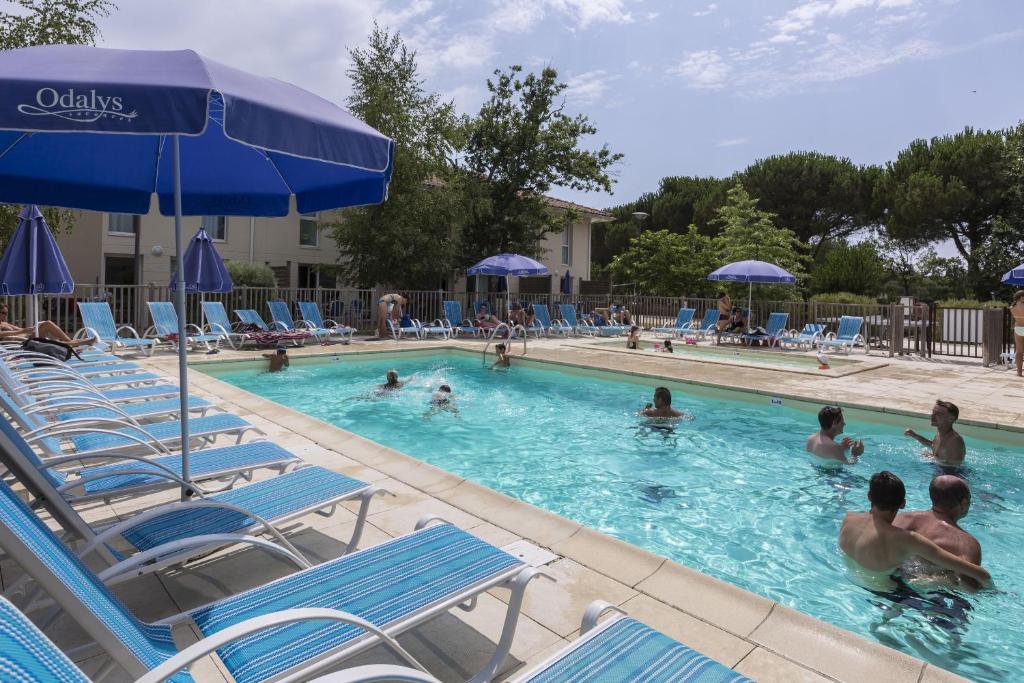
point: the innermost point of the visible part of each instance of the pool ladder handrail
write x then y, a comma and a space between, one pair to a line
511, 331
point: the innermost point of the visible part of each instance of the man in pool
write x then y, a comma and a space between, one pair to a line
392, 383
278, 360
874, 549
947, 448
951, 499
662, 406
823, 443
503, 360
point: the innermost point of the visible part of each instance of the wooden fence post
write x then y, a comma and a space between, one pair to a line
896, 332
992, 334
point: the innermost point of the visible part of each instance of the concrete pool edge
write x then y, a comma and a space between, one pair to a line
762, 624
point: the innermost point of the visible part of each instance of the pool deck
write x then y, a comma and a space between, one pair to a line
755, 636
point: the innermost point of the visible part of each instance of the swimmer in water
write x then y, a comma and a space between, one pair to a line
823, 443
662, 405
504, 360
392, 383
278, 360
874, 549
947, 448
442, 399
633, 341
951, 499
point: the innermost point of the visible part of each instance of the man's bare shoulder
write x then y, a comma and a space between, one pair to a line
910, 520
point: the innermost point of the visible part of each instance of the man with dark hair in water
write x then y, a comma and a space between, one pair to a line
823, 442
662, 406
947, 448
874, 548
951, 499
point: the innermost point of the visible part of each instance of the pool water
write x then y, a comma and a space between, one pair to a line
730, 493
734, 353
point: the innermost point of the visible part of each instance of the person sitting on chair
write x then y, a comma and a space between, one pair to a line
45, 329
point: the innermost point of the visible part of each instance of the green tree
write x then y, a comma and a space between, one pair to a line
820, 197
48, 22
664, 263
406, 242
746, 232
683, 201
951, 187
245, 274
854, 268
520, 145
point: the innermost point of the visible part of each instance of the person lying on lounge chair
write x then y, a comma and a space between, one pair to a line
47, 330
737, 324
517, 314
486, 319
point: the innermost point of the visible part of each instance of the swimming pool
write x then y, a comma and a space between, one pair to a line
730, 493
734, 354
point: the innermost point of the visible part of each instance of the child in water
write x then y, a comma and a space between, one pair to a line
633, 341
503, 359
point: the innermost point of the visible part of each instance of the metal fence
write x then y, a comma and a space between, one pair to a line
898, 329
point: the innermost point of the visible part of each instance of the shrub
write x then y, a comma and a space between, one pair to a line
245, 274
970, 303
844, 298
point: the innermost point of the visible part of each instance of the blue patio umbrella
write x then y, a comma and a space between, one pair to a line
507, 264
753, 271
204, 269
32, 262
567, 283
1015, 276
102, 129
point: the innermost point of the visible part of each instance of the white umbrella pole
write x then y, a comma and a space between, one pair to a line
35, 312
750, 308
179, 306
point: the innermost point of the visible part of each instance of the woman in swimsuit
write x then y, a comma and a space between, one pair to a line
1017, 311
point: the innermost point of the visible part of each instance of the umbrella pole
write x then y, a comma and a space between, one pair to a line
35, 312
179, 306
750, 309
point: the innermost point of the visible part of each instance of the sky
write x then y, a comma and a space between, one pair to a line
680, 87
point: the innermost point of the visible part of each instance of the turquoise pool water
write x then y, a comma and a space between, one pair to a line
730, 493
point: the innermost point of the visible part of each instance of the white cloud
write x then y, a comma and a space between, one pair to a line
586, 12
732, 142
590, 87
710, 9
516, 16
703, 69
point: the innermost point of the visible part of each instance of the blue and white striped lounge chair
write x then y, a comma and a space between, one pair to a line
27, 360
218, 323
282, 322
847, 336
312, 318
708, 325
98, 322
456, 323
28, 656
249, 316
618, 650
204, 523
391, 587
774, 329
683, 324
131, 475
165, 327
543, 315
624, 650
569, 316
807, 337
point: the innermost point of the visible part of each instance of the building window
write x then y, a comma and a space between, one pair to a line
308, 276
216, 227
309, 230
120, 224
567, 246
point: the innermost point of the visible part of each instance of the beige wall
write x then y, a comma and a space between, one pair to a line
276, 242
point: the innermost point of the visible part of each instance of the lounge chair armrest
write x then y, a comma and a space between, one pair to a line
193, 326
594, 612
277, 325
55, 428
153, 444
376, 673
51, 463
305, 325
131, 329
217, 640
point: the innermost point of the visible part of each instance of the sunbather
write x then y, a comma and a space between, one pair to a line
389, 306
736, 324
517, 314
823, 443
1017, 311
278, 360
46, 329
724, 310
486, 319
